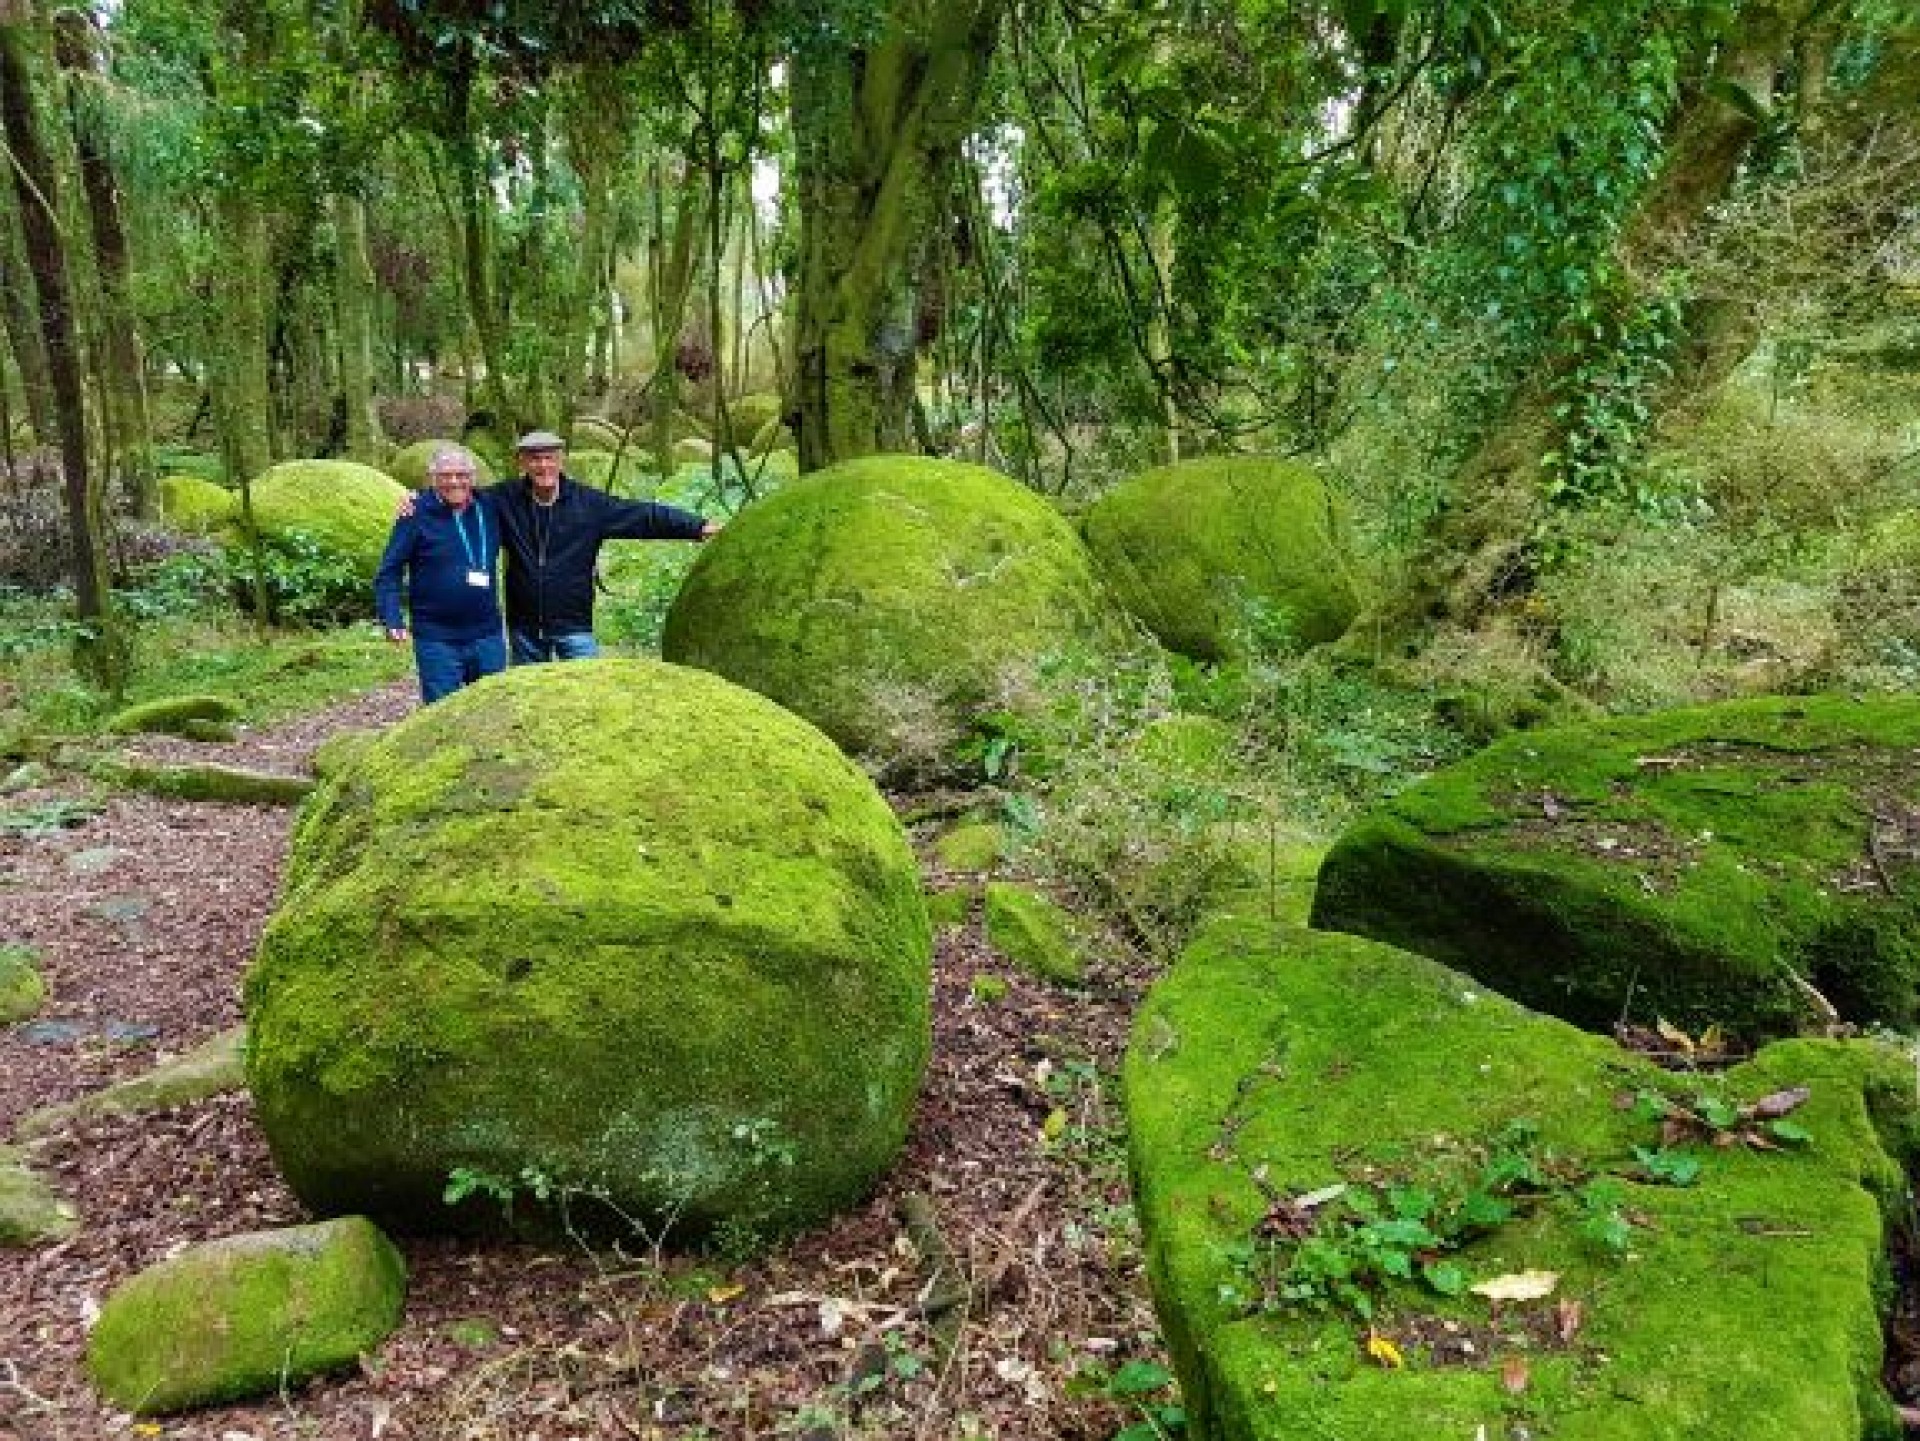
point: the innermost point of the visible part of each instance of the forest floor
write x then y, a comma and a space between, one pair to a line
145, 913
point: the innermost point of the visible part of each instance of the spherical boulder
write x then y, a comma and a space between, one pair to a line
189, 503
1213, 553
347, 508
593, 432
890, 600
614, 938
408, 465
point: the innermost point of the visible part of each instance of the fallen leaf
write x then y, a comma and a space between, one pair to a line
1674, 1037
1384, 1351
720, 1295
1567, 1316
1713, 1040
1514, 1374
1321, 1196
1780, 1103
1518, 1286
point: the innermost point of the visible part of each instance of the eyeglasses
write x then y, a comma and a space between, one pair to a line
458, 477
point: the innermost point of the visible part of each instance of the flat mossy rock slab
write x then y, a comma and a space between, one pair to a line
197, 506
1273, 1063
1700, 865
213, 1068
889, 601
619, 926
344, 507
408, 465
171, 714
246, 1316
232, 785
1035, 933
31, 1212
23, 990
1207, 552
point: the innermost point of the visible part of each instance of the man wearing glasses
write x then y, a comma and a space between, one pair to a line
446, 547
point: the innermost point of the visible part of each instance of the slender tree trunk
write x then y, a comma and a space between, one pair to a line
101, 652
237, 331
675, 255
353, 306
76, 44
29, 348
873, 130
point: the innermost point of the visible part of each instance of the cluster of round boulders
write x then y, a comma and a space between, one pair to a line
1217, 556
889, 601
615, 938
344, 507
408, 465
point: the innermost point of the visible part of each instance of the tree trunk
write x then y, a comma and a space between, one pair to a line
675, 254
873, 130
76, 45
237, 335
23, 331
353, 303
101, 652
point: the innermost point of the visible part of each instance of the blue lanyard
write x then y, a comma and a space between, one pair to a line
480, 518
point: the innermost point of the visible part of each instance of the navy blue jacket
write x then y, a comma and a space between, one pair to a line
427, 547
551, 550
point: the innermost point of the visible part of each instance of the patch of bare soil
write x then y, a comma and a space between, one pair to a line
982, 1291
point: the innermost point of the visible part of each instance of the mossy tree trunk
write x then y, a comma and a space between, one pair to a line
353, 307
101, 650
673, 256
23, 329
874, 129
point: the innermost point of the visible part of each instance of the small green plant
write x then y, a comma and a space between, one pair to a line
1143, 1389
45, 818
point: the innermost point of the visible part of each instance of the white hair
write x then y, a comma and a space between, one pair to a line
451, 457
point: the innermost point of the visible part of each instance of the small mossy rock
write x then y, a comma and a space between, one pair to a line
1699, 865
246, 1316
196, 505
171, 713
344, 507
213, 1068
1205, 550
1276, 1062
971, 846
208, 732
593, 432
526, 930
771, 438
31, 1212
408, 465
598, 469
889, 600
23, 991
949, 907
232, 785
752, 414
1034, 933
692, 451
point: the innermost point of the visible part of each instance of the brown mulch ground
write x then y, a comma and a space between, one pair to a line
144, 915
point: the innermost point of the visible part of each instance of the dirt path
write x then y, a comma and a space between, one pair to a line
144, 914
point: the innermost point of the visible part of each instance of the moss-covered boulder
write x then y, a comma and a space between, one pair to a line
31, 1212
22, 988
974, 846
196, 505
246, 1316
623, 474
593, 432
890, 600
170, 714
1302, 1107
692, 451
1035, 933
1703, 865
752, 414
531, 938
231, 785
346, 508
1212, 553
408, 465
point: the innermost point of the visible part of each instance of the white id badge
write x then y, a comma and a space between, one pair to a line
479, 578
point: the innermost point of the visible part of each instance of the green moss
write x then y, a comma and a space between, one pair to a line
196, 505
1699, 865
229, 784
212, 1068
752, 414
339, 752
1273, 1062
1035, 934
591, 432
949, 908
31, 1214
22, 989
1210, 554
974, 846
890, 600
408, 465
347, 508
171, 713
692, 451
524, 930
597, 468
246, 1316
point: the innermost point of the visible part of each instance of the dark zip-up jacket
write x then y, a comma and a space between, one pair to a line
551, 550
435, 550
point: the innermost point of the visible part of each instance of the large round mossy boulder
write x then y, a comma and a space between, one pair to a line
1333, 1142
593, 432
616, 939
1754, 864
890, 601
408, 465
1216, 555
196, 505
345, 508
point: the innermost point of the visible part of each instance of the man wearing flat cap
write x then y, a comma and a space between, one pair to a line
551, 527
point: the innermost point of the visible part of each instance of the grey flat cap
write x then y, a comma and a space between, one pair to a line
539, 440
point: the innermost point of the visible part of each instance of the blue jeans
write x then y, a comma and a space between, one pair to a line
530, 648
446, 665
